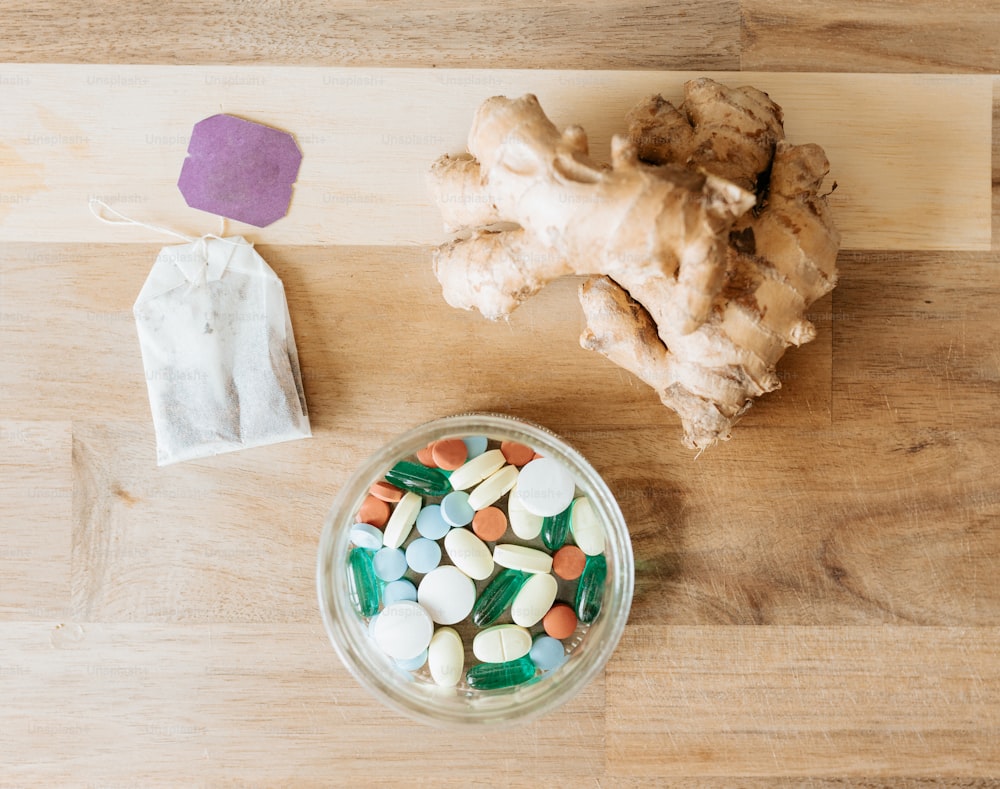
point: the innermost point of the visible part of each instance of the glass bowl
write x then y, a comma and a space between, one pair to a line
414, 693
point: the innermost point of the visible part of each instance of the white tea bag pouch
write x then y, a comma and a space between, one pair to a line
218, 351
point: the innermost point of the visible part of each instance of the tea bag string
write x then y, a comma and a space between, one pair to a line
99, 207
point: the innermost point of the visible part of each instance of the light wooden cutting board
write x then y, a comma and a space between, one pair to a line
910, 153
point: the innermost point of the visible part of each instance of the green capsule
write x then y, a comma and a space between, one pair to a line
497, 596
590, 590
364, 585
555, 528
418, 479
489, 676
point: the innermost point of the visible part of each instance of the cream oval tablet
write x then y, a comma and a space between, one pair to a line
519, 557
588, 533
545, 487
524, 524
446, 657
403, 630
468, 553
501, 643
447, 594
402, 519
493, 487
534, 599
476, 470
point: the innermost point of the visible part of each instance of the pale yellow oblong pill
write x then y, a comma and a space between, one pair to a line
402, 519
588, 533
524, 524
501, 643
519, 557
534, 599
493, 487
476, 470
446, 657
469, 554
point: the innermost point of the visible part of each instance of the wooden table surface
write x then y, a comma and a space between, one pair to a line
817, 601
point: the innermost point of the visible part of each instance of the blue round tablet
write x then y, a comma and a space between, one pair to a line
397, 591
413, 663
476, 445
389, 563
367, 536
430, 524
456, 510
547, 653
423, 555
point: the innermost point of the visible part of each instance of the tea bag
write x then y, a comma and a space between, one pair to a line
218, 351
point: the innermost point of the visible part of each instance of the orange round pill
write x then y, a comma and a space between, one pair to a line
449, 453
560, 621
489, 524
385, 491
568, 562
424, 456
374, 511
516, 454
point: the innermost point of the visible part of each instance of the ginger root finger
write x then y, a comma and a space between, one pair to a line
494, 271
794, 231
729, 132
622, 330
457, 189
708, 395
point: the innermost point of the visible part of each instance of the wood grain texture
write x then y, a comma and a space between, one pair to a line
935, 343
858, 701
996, 162
907, 178
816, 600
36, 514
837, 529
564, 34
891, 35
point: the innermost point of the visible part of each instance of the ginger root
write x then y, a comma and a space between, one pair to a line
705, 240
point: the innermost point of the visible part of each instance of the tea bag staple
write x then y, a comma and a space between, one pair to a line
218, 351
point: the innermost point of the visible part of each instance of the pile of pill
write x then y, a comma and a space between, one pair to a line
477, 563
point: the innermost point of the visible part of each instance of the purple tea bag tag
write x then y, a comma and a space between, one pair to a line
240, 170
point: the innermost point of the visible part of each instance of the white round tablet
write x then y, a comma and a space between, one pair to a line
545, 487
447, 594
403, 630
